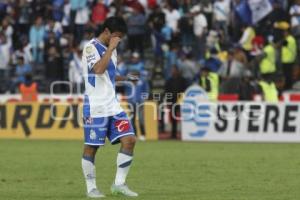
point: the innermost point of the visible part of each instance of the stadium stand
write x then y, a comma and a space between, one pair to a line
48, 34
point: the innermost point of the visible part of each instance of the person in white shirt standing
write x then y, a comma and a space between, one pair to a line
102, 112
200, 30
66, 17
172, 17
4, 61
81, 19
8, 30
221, 16
75, 71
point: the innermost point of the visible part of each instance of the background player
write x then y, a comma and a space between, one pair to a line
103, 115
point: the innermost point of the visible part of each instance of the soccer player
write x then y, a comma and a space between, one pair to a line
103, 115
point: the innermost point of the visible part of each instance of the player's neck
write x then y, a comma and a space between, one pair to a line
101, 39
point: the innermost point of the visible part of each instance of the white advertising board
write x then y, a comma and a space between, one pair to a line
238, 121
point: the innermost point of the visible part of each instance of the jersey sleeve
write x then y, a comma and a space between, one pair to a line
91, 55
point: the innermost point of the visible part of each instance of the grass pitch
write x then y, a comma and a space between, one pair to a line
38, 170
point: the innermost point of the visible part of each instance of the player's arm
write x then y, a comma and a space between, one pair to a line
121, 78
129, 77
101, 65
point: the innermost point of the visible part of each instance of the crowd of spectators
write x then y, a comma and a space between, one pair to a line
197, 37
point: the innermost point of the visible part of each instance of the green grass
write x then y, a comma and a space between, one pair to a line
36, 169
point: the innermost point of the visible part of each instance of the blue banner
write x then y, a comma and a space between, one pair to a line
244, 12
252, 11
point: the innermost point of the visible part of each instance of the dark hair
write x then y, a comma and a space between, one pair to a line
28, 77
113, 24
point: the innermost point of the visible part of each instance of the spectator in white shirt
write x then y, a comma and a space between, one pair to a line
75, 71
55, 27
4, 52
200, 30
24, 51
172, 17
221, 16
4, 60
66, 21
7, 29
81, 19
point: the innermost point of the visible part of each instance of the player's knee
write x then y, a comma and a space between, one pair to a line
89, 150
132, 141
129, 142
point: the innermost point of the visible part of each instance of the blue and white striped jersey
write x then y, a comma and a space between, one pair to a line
100, 97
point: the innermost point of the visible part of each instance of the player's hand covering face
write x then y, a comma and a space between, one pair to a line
114, 39
113, 43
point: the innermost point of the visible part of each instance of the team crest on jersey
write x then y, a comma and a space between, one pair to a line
93, 135
122, 126
89, 50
